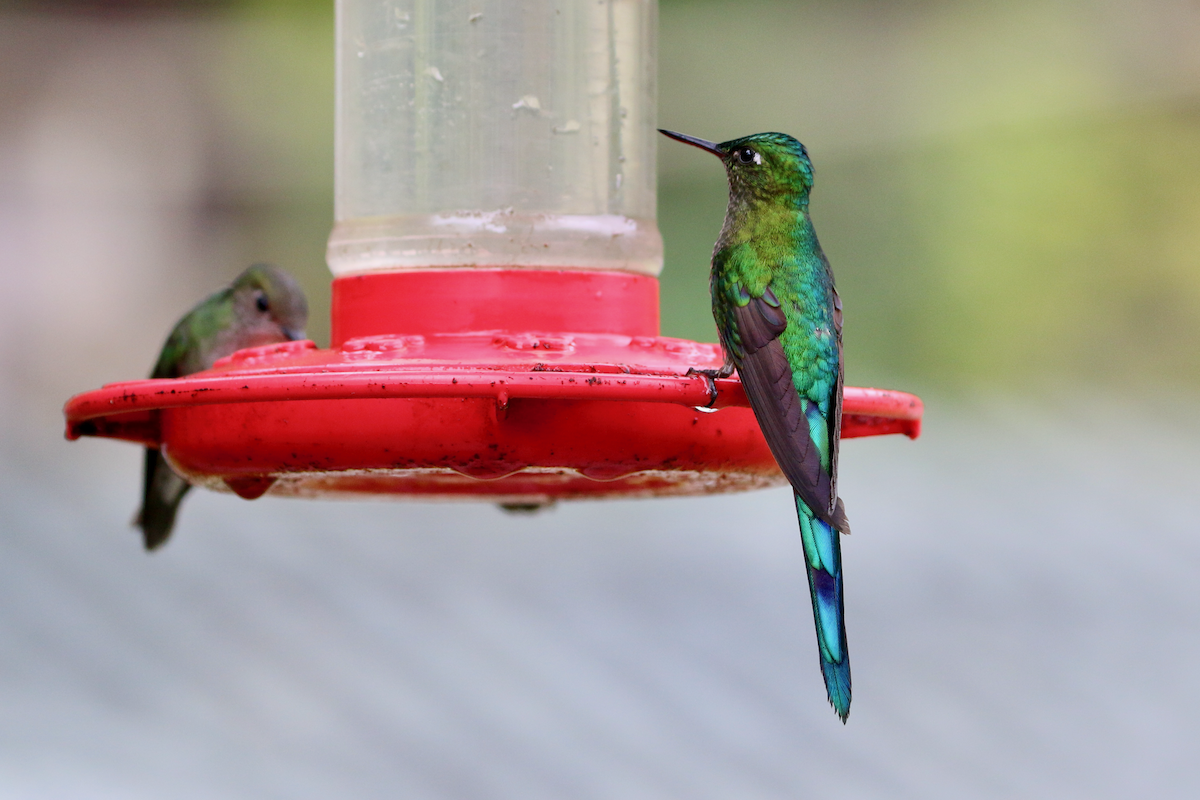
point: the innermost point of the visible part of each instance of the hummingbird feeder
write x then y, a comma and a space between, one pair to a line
495, 254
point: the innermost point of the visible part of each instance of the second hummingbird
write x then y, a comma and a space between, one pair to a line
263, 305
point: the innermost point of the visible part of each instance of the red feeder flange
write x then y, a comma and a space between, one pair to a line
510, 385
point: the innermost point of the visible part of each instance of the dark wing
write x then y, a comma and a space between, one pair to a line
767, 378
835, 423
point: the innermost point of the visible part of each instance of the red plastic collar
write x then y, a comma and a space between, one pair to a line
430, 301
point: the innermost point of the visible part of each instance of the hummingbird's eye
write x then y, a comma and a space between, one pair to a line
260, 300
747, 156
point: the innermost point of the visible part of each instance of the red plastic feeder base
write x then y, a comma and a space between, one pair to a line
520, 386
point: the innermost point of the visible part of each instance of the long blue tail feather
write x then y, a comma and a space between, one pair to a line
823, 559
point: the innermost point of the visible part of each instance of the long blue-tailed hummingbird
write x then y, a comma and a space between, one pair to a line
263, 305
779, 319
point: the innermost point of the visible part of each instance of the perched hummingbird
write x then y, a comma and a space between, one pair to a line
780, 323
262, 306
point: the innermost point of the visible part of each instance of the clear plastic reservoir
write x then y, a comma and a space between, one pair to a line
495, 133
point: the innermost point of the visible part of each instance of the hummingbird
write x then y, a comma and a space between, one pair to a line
263, 305
779, 320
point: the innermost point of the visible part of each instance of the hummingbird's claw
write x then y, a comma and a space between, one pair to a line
710, 376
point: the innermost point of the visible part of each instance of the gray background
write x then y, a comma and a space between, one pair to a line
1022, 610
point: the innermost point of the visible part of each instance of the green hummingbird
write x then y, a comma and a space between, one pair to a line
779, 319
262, 306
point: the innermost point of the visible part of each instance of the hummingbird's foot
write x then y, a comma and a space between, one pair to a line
710, 377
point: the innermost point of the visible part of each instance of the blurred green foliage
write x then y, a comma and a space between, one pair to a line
1007, 193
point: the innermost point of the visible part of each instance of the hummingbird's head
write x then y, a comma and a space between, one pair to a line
270, 305
761, 166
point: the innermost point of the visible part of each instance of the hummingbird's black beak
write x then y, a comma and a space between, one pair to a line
703, 144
